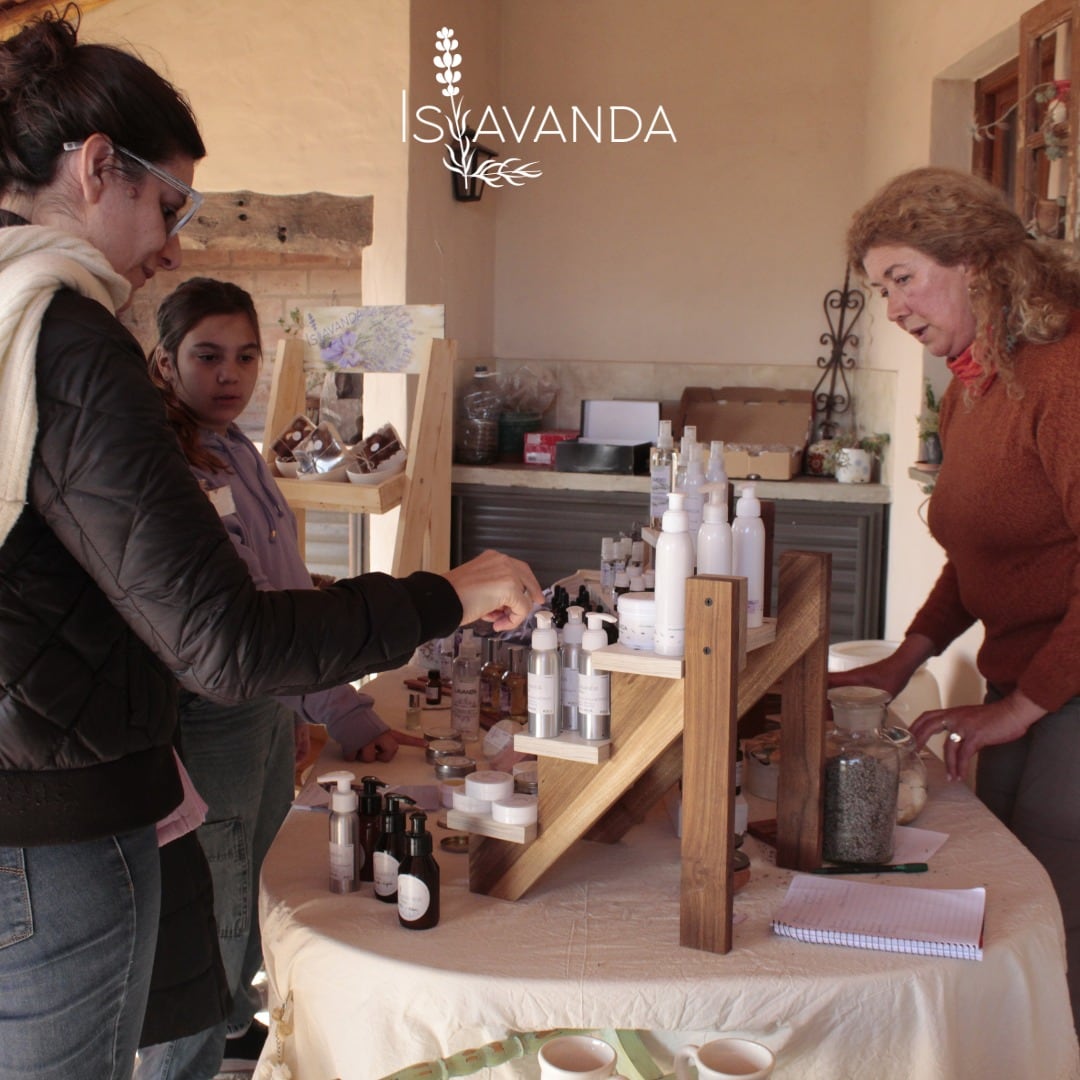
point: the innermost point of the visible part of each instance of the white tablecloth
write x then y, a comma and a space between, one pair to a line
595, 945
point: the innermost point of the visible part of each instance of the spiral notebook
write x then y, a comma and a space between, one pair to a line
897, 918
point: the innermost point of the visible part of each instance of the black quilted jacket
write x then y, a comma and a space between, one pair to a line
118, 581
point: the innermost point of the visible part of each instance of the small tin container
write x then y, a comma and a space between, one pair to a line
526, 778
439, 749
431, 734
456, 767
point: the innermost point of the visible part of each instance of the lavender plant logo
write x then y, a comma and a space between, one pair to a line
461, 150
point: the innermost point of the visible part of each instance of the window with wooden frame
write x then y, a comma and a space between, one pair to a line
1049, 65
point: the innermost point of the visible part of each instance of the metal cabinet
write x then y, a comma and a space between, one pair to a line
558, 532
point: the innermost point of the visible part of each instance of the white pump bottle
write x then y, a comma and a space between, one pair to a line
594, 686
346, 854
674, 564
569, 651
543, 679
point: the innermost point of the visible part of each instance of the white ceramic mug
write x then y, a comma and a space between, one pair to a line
576, 1057
725, 1059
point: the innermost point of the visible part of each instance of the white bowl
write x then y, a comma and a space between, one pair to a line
387, 469
336, 475
286, 468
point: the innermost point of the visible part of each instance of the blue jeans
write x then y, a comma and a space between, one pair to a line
241, 759
78, 925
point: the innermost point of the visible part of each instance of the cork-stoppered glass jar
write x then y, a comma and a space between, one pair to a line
862, 769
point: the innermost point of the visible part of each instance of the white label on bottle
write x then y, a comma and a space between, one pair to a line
386, 876
465, 707
542, 694
594, 693
413, 897
569, 687
342, 866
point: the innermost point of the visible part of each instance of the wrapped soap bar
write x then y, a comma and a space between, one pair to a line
298, 430
323, 450
378, 448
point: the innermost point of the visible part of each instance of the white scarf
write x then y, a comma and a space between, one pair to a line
35, 262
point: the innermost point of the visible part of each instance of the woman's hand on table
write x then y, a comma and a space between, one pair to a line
383, 747
497, 588
972, 727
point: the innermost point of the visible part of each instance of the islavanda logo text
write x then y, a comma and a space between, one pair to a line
611, 123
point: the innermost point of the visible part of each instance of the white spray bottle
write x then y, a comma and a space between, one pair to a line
594, 685
714, 537
346, 854
748, 552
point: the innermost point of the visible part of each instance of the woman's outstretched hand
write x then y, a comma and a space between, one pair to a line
497, 588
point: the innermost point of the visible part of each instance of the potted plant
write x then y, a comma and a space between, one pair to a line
929, 440
852, 457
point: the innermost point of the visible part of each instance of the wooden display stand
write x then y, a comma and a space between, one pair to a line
668, 725
422, 489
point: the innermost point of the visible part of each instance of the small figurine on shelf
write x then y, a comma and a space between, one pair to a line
929, 440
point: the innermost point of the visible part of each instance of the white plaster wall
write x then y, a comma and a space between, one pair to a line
719, 248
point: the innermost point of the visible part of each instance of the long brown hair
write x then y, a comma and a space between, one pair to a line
1021, 289
177, 315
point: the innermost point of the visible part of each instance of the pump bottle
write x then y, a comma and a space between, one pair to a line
370, 823
568, 664
674, 564
465, 695
748, 552
390, 849
345, 851
543, 680
714, 537
594, 686
418, 879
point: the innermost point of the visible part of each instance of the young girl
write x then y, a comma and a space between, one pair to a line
240, 757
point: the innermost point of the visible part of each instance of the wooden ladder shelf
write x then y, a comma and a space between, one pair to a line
669, 725
422, 490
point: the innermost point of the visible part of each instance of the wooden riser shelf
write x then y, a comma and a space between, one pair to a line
667, 728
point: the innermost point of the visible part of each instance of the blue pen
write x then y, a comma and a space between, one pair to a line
887, 868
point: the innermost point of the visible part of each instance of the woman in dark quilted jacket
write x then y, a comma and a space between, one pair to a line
117, 580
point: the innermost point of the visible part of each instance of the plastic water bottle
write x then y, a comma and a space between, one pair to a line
478, 419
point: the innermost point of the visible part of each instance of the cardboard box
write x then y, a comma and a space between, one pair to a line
540, 446
765, 431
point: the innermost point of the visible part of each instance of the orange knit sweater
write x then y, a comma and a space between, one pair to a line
1006, 509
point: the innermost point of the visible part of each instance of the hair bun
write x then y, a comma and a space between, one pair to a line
37, 53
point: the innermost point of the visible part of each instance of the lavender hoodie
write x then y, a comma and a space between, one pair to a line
263, 530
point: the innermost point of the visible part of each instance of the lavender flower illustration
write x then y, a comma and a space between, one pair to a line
461, 156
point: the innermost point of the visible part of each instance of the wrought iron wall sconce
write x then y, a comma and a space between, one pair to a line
469, 187
832, 395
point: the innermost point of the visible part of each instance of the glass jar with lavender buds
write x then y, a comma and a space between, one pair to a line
862, 769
